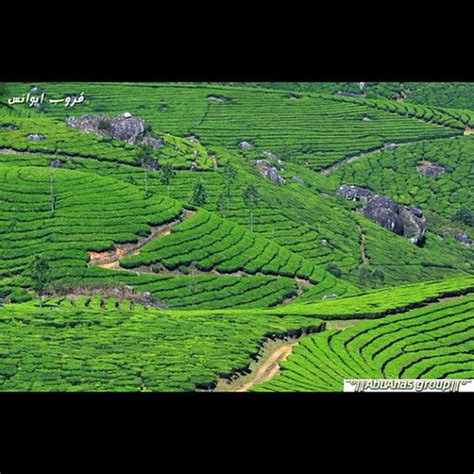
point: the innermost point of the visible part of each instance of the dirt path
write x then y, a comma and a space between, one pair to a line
265, 368
330, 169
269, 368
110, 258
363, 255
469, 131
350, 159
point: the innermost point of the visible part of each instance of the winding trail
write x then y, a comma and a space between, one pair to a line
269, 368
363, 255
264, 368
110, 258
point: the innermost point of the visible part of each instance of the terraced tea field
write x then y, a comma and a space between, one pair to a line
432, 342
165, 267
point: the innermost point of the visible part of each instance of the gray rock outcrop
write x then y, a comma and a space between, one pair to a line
463, 239
354, 193
56, 164
401, 220
427, 168
268, 171
269, 155
36, 137
123, 127
245, 145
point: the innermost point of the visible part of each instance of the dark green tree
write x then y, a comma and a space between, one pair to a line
333, 269
221, 204
251, 198
146, 160
39, 272
3, 89
465, 216
167, 174
199, 193
372, 278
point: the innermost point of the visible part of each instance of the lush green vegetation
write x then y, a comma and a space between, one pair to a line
436, 341
161, 269
270, 120
89, 346
395, 173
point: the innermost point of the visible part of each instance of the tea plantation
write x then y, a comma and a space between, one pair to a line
165, 268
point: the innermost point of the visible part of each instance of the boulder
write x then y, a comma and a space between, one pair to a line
269, 155
401, 220
245, 145
36, 137
9, 127
354, 193
430, 169
462, 238
56, 164
123, 127
268, 171
297, 179
127, 128
155, 143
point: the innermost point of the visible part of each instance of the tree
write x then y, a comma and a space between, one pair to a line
39, 272
3, 89
145, 159
229, 174
199, 193
368, 277
465, 216
167, 174
221, 203
251, 198
333, 269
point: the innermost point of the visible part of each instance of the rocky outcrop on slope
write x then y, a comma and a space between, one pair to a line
427, 168
268, 171
123, 127
245, 145
463, 239
401, 220
36, 137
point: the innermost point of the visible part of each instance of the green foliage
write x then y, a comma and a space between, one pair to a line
436, 341
464, 215
333, 269
368, 277
251, 198
40, 274
167, 174
214, 275
104, 124
198, 194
